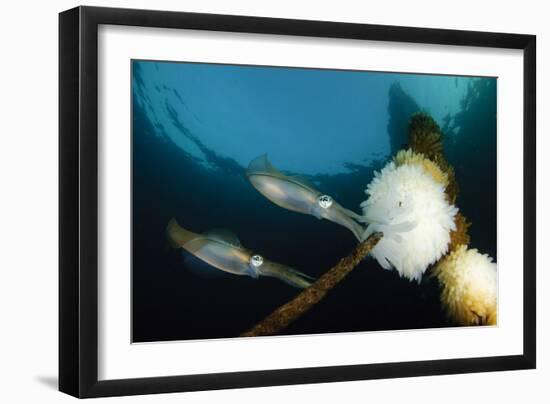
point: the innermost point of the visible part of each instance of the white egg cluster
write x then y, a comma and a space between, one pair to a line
469, 281
410, 208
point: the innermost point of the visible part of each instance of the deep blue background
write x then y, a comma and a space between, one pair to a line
196, 127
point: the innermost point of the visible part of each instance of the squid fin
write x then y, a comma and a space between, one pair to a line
262, 165
225, 236
177, 235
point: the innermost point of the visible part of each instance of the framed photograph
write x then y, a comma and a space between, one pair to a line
250, 201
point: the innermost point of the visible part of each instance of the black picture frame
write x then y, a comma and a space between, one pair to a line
78, 201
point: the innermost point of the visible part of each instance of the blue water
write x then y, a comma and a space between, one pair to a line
197, 126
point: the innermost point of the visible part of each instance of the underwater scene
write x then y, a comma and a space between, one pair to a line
288, 201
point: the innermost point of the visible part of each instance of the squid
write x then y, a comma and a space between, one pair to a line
297, 194
222, 250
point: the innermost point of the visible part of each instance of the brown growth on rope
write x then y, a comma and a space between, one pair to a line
425, 137
452, 187
459, 236
289, 312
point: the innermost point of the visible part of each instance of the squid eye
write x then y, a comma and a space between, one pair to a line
324, 201
256, 260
